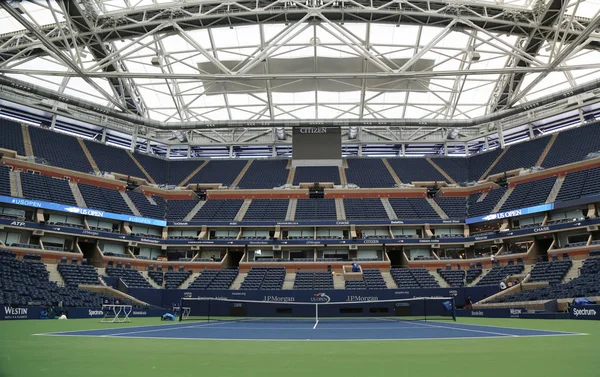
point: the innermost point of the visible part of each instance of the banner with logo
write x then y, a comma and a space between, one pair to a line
167, 298
80, 211
492, 313
512, 213
34, 312
585, 312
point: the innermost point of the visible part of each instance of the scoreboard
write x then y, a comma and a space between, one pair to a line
312, 146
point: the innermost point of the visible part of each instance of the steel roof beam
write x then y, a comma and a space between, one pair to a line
124, 88
10, 84
499, 18
510, 83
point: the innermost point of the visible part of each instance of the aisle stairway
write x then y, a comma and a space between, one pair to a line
186, 283
237, 283
439, 279
389, 280
288, 283
54, 275
151, 281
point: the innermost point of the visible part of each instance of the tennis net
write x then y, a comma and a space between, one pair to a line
217, 309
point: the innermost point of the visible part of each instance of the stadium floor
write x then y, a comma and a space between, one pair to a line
23, 354
301, 330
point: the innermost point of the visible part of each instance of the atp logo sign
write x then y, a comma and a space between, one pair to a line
320, 297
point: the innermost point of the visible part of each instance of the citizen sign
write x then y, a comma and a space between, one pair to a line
313, 130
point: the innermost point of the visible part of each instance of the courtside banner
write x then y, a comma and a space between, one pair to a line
585, 312
80, 211
492, 313
34, 312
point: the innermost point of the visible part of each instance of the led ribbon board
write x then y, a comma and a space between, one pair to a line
80, 211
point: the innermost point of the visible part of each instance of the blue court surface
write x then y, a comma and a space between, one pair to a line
322, 331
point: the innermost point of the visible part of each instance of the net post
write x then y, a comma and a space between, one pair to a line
425, 308
453, 309
181, 309
208, 310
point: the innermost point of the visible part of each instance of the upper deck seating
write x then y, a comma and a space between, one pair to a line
573, 145
265, 174
368, 173
455, 167
155, 166
521, 155
59, 150
179, 170
11, 136
112, 159
219, 171
410, 169
479, 163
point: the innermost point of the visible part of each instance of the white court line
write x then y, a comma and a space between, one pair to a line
170, 325
323, 340
153, 329
316, 323
469, 330
508, 328
162, 329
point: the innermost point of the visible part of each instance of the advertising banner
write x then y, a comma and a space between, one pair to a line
80, 211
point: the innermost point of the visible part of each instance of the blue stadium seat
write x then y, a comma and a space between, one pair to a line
11, 136
267, 210
219, 171
265, 174
315, 209
111, 159
368, 173
59, 150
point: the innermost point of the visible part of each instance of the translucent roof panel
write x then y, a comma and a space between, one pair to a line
325, 69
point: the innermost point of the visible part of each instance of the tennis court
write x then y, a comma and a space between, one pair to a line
368, 329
